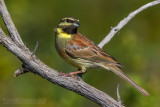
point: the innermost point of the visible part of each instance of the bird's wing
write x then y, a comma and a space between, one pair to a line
81, 47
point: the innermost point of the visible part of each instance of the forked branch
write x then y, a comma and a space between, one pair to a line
31, 63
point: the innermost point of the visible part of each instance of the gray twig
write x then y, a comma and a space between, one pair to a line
118, 96
19, 72
35, 49
9, 23
123, 22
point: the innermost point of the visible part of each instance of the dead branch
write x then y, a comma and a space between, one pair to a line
31, 63
123, 22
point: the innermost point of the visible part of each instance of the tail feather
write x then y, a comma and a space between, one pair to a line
118, 72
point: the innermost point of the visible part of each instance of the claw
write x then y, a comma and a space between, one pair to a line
71, 74
68, 75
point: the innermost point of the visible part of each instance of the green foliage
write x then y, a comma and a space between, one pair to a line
136, 47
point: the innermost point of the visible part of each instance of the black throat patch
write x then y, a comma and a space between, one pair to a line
70, 30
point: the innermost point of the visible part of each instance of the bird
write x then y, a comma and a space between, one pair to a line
83, 53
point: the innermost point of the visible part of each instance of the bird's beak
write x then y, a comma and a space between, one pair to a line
76, 24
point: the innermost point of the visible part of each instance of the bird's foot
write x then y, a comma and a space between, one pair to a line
71, 74
68, 75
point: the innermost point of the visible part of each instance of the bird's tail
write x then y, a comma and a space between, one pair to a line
118, 72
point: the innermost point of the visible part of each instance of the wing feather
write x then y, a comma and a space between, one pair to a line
82, 47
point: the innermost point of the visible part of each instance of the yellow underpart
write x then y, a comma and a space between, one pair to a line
62, 34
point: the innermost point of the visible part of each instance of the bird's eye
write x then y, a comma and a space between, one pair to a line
67, 20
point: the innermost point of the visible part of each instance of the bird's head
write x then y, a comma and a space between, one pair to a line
69, 25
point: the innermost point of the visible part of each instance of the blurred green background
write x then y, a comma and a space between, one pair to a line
137, 47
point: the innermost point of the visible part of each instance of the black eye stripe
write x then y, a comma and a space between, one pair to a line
69, 21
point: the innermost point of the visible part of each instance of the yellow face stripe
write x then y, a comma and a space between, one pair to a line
62, 34
68, 18
65, 23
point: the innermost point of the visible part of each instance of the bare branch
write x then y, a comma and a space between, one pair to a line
35, 49
9, 23
123, 22
34, 65
21, 71
118, 96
